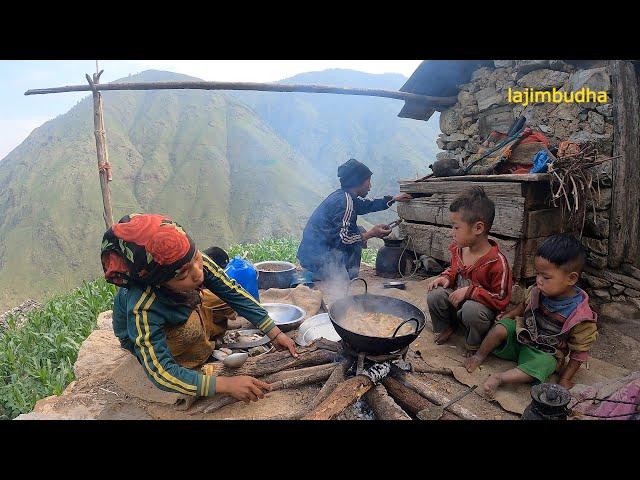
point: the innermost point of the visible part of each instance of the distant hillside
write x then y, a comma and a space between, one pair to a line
230, 167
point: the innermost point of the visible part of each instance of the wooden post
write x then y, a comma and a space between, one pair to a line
624, 233
104, 166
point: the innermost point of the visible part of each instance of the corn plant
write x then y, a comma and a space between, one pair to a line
36, 360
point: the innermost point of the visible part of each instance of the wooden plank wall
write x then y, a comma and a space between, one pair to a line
523, 218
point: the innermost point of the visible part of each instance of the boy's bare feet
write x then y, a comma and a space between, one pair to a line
443, 336
472, 362
491, 385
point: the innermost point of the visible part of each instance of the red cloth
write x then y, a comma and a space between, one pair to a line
490, 277
535, 137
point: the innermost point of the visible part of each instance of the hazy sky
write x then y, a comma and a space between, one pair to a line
20, 114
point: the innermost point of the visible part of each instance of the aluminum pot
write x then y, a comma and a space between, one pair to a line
274, 274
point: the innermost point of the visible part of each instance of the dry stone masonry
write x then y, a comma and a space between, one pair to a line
483, 106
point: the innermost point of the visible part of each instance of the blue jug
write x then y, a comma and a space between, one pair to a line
243, 272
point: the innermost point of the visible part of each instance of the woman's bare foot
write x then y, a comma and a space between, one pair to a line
443, 336
491, 385
472, 362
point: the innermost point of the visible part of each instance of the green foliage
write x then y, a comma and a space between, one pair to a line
283, 249
36, 360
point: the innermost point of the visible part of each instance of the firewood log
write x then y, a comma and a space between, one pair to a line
384, 407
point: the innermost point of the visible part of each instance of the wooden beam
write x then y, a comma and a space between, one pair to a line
509, 217
434, 241
104, 167
262, 87
625, 200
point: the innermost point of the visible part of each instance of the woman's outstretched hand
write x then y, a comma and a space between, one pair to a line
282, 342
242, 387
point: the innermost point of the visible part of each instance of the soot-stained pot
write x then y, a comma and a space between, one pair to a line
389, 256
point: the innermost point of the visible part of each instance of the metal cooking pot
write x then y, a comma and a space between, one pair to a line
275, 279
376, 304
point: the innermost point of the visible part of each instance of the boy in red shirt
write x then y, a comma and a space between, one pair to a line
477, 285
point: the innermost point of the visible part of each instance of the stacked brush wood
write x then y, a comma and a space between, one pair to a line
574, 185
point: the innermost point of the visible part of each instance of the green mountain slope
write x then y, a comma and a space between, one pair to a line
202, 157
329, 129
230, 167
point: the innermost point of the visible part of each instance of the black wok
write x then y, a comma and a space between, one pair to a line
376, 304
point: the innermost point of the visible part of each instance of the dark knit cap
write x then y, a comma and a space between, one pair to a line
352, 173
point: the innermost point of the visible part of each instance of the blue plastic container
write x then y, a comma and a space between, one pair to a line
243, 272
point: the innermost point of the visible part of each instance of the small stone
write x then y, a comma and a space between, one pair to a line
488, 97
440, 143
597, 226
619, 298
629, 309
630, 292
445, 156
560, 65
525, 66
455, 140
471, 130
594, 281
596, 79
598, 246
479, 73
635, 302
603, 174
596, 122
601, 294
219, 355
630, 270
503, 63
606, 109
603, 202
449, 121
466, 99
596, 261
604, 142
616, 289
544, 79
545, 129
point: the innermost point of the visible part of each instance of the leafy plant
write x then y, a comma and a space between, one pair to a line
283, 249
36, 359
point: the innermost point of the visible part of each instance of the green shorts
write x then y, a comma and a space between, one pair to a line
531, 361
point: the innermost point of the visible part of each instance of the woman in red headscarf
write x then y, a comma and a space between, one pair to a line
172, 301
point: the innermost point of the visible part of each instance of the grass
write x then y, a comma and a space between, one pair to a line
37, 359
283, 249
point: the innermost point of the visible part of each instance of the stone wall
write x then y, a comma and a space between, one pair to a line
483, 106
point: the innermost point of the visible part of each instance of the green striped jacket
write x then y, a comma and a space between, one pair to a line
140, 315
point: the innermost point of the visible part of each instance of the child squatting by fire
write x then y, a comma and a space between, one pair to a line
477, 285
554, 320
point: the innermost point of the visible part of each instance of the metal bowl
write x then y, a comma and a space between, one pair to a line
313, 328
275, 279
286, 316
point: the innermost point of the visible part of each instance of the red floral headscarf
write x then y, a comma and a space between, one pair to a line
145, 248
